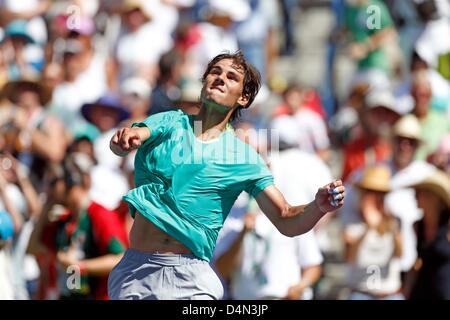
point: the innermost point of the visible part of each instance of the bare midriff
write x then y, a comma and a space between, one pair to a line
148, 238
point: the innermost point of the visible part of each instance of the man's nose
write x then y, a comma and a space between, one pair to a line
219, 80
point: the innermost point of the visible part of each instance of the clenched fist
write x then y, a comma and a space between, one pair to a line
128, 139
330, 197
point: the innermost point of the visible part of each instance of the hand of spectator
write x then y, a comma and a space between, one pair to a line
249, 222
67, 258
126, 140
330, 197
20, 118
295, 292
357, 50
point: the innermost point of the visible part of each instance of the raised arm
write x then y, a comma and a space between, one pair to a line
295, 220
128, 139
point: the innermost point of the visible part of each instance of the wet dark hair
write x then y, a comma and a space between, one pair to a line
252, 77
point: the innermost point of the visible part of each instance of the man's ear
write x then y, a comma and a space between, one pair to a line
242, 101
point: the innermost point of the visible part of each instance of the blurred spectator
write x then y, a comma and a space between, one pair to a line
370, 35
189, 101
305, 127
136, 94
142, 41
434, 124
441, 157
440, 87
167, 89
288, 9
253, 36
41, 138
14, 46
216, 34
6, 233
88, 74
373, 246
344, 124
18, 196
369, 144
108, 181
430, 277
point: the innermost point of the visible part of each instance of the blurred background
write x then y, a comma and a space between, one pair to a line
355, 89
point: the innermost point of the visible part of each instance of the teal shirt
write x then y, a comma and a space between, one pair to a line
187, 187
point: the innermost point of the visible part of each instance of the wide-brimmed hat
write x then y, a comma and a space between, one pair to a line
375, 178
237, 10
130, 5
437, 182
12, 88
408, 126
18, 28
109, 100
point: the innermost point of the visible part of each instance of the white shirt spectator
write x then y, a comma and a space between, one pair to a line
214, 40
69, 97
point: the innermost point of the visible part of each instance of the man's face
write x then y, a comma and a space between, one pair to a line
404, 150
224, 84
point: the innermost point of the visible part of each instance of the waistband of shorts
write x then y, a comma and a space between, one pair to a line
164, 259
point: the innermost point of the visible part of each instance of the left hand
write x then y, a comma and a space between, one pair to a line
294, 293
330, 197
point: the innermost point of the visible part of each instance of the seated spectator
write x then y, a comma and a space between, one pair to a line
373, 246
430, 277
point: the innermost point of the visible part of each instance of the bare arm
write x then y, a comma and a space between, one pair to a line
231, 258
310, 275
295, 220
128, 139
28, 190
100, 266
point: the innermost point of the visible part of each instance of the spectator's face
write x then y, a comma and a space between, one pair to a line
421, 94
294, 99
136, 105
104, 118
135, 19
28, 100
224, 84
404, 150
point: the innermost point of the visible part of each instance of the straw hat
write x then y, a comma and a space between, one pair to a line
437, 182
375, 178
130, 5
12, 88
408, 126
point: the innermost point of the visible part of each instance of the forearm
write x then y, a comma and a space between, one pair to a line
226, 263
376, 40
100, 266
297, 220
51, 147
33, 202
35, 245
310, 275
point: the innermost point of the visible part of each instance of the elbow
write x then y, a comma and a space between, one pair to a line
287, 230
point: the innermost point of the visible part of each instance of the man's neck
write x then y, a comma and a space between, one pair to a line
211, 121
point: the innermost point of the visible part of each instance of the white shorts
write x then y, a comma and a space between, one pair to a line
151, 276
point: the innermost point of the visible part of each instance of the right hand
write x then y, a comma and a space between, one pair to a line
125, 140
